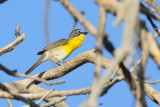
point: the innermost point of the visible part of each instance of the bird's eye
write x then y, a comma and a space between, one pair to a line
79, 32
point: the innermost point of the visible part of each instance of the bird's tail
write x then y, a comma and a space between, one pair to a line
36, 64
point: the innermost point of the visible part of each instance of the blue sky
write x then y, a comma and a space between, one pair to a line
30, 15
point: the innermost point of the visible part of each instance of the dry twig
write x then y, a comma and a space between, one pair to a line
154, 5
54, 102
27, 76
9, 103
45, 95
46, 20
12, 45
152, 82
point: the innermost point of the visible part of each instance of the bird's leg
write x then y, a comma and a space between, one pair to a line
64, 64
58, 64
60, 61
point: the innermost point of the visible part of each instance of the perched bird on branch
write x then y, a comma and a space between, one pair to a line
60, 50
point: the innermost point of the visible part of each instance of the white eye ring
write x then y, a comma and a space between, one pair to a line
79, 32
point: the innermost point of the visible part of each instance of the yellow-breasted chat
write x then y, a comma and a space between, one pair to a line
60, 50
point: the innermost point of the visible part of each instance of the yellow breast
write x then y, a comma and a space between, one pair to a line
73, 44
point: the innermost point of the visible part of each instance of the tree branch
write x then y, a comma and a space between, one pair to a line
88, 56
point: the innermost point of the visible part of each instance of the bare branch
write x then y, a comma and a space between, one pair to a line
110, 83
140, 73
15, 95
3, 68
147, 12
123, 52
12, 45
26, 76
153, 48
83, 58
88, 56
87, 90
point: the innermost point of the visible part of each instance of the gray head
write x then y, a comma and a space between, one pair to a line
76, 32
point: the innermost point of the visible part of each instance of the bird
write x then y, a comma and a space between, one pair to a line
60, 50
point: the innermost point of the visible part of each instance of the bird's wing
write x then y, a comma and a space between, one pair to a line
54, 45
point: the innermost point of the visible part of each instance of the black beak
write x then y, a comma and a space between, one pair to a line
85, 33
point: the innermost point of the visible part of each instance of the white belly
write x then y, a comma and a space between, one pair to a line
59, 58
56, 55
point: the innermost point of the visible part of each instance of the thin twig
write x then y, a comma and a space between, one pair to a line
45, 95
146, 11
27, 76
3, 68
79, 16
54, 102
153, 25
9, 102
17, 31
109, 84
76, 21
154, 50
154, 5
46, 20
157, 33
12, 45
152, 82
114, 74
152, 10
135, 65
